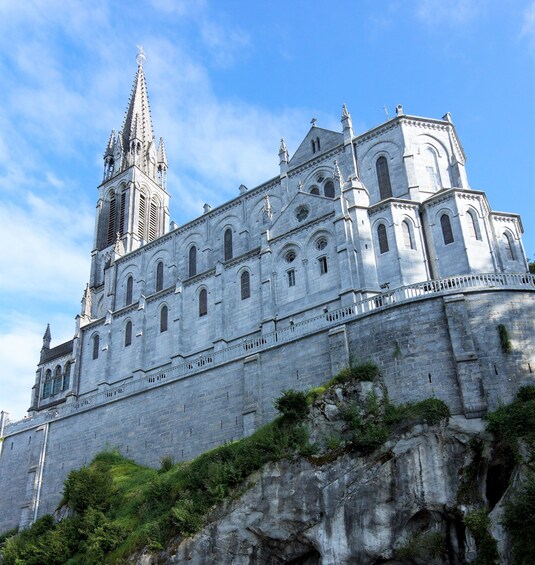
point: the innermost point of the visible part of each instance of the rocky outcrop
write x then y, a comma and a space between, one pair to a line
399, 504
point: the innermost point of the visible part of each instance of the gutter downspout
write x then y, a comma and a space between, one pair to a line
42, 459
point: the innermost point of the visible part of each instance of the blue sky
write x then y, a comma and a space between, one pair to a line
227, 79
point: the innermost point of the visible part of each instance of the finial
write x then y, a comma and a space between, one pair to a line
282, 148
345, 112
267, 209
399, 110
313, 122
140, 56
337, 173
299, 185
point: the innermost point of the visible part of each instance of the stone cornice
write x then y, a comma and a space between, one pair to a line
314, 162
392, 203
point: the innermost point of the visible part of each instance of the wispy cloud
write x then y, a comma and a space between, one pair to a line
528, 26
452, 13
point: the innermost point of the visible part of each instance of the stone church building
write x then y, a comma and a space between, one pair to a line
365, 244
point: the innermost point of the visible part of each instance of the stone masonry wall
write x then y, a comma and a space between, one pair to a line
443, 346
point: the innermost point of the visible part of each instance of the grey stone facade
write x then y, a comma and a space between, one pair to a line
369, 246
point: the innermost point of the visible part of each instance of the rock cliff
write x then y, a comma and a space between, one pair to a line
403, 502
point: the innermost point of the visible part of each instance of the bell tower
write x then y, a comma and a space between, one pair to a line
133, 203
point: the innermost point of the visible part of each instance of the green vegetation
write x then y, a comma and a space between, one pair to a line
468, 492
505, 342
478, 523
515, 422
118, 507
519, 521
428, 545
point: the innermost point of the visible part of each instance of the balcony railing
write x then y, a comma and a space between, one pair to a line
209, 359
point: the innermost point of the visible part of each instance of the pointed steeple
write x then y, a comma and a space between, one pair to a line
47, 337
162, 164
284, 158
137, 130
162, 156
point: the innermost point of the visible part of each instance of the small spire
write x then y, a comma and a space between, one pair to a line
345, 112
347, 124
162, 157
399, 110
47, 337
111, 145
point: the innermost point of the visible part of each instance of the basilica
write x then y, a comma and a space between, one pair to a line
349, 215
365, 245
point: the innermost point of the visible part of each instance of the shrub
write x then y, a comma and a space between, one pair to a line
505, 342
166, 463
519, 521
367, 371
431, 411
525, 393
478, 523
292, 405
186, 516
89, 487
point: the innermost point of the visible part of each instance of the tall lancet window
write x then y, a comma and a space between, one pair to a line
153, 220
159, 276
122, 213
192, 261
472, 225
383, 238
128, 334
228, 244
164, 314
509, 246
383, 178
245, 285
447, 233
203, 302
408, 240
96, 346
142, 216
129, 290
111, 221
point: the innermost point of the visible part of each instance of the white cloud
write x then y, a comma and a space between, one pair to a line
528, 26
18, 370
454, 12
43, 257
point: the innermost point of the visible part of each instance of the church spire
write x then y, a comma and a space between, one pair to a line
47, 337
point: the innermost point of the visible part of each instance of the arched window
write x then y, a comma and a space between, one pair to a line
164, 314
328, 189
408, 240
383, 238
192, 263
66, 376
245, 285
111, 220
153, 221
47, 385
96, 346
129, 290
203, 303
142, 215
228, 244
431, 168
122, 213
315, 190
472, 225
447, 233
383, 178
128, 334
509, 246
159, 276
56, 386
